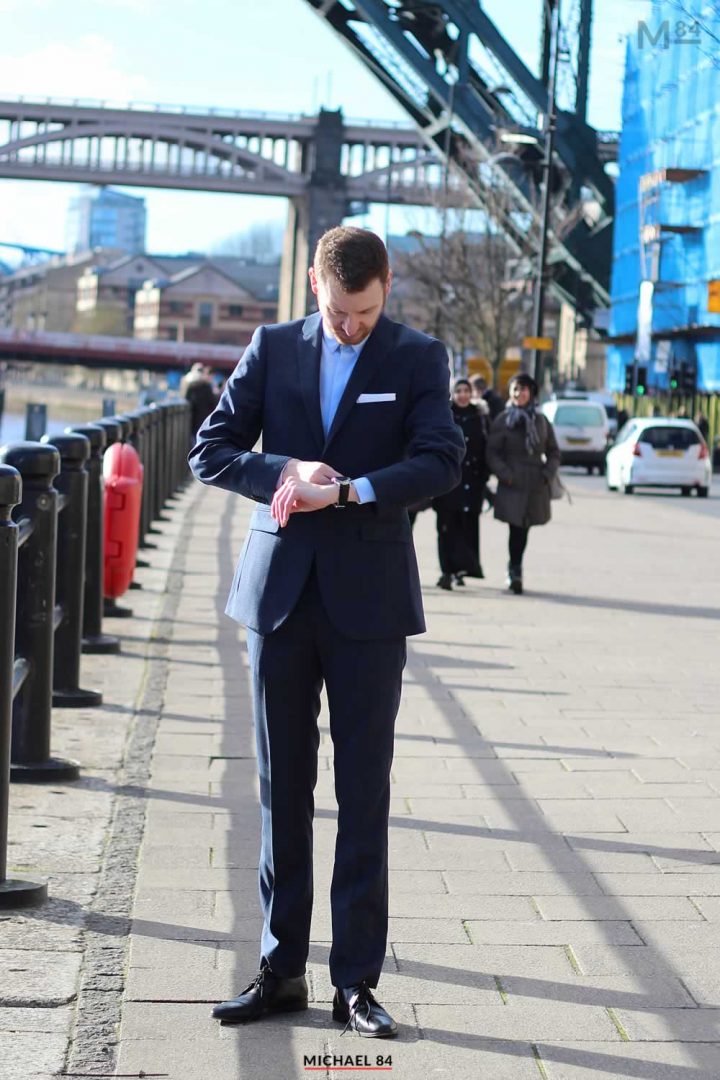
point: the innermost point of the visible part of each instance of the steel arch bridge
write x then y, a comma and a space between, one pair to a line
240, 153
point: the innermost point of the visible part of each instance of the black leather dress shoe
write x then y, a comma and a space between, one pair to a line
267, 993
356, 1007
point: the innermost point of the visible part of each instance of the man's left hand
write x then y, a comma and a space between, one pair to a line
300, 496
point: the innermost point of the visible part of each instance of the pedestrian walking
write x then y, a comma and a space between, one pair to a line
458, 511
491, 400
523, 453
199, 392
355, 422
701, 423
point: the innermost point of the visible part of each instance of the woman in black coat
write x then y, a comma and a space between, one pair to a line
523, 453
458, 511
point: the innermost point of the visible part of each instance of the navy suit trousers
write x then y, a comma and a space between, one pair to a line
363, 684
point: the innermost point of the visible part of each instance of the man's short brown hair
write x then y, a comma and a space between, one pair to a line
354, 257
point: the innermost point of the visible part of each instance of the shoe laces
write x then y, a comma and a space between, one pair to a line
363, 999
259, 980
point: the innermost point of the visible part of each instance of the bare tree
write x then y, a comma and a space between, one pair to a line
465, 285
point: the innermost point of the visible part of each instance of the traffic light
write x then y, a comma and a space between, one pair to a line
683, 379
642, 374
633, 387
629, 379
688, 378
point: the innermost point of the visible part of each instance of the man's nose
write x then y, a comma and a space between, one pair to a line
350, 325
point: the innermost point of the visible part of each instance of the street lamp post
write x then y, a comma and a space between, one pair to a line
549, 125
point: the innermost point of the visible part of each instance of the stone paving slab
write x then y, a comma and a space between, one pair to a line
646, 1061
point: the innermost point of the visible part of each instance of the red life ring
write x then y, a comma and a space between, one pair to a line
123, 475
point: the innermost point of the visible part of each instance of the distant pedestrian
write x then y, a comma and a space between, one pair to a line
481, 392
523, 453
200, 394
701, 423
458, 511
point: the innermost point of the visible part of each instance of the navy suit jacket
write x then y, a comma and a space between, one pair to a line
409, 448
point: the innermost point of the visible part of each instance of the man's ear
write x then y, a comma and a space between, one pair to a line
388, 283
313, 280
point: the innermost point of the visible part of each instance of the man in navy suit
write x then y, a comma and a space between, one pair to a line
354, 415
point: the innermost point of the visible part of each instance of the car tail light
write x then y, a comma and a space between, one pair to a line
636, 451
704, 452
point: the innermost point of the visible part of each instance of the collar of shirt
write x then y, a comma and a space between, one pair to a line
332, 345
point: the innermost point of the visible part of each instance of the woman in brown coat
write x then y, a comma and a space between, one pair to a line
523, 453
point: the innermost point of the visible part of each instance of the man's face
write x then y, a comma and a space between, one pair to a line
349, 317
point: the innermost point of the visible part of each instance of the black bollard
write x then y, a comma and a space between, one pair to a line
185, 442
165, 456
93, 638
13, 892
150, 471
35, 421
154, 465
37, 463
171, 408
110, 426
169, 450
72, 483
139, 439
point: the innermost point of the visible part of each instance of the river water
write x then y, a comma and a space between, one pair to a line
12, 426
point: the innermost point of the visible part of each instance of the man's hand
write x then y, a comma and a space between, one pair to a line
312, 472
299, 496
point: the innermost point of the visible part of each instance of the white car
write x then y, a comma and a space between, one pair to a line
602, 397
582, 430
659, 452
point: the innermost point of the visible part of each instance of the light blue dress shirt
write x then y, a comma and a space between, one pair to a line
336, 364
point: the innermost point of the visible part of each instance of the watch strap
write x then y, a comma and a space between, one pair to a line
343, 486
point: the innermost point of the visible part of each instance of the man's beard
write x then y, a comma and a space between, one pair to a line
360, 336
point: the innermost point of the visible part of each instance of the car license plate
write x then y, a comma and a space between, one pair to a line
577, 442
670, 453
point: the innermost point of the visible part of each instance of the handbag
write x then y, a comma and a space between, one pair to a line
558, 489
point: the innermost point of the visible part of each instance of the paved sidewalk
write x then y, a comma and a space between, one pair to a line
555, 823
555, 828
61, 964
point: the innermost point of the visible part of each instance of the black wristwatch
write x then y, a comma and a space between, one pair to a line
343, 486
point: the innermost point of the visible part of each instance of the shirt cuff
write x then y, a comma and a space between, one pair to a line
364, 489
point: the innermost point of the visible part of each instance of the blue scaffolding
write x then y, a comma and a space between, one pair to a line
667, 224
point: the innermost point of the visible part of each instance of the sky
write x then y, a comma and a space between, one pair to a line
273, 55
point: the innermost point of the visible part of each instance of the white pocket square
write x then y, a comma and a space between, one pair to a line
368, 399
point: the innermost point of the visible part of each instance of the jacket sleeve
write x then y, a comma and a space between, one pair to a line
435, 447
495, 454
223, 454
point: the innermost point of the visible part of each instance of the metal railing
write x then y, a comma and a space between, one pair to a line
51, 584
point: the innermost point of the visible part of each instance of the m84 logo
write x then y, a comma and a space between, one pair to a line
669, 33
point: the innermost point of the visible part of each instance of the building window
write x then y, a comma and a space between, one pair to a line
235, 311
171, 333
205, 313
176, 307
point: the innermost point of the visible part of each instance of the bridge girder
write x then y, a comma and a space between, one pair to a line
441, 61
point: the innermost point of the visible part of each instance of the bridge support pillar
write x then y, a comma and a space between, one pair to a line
323, 206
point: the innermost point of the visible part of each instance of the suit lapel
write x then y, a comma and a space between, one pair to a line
309, 373
374, 352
